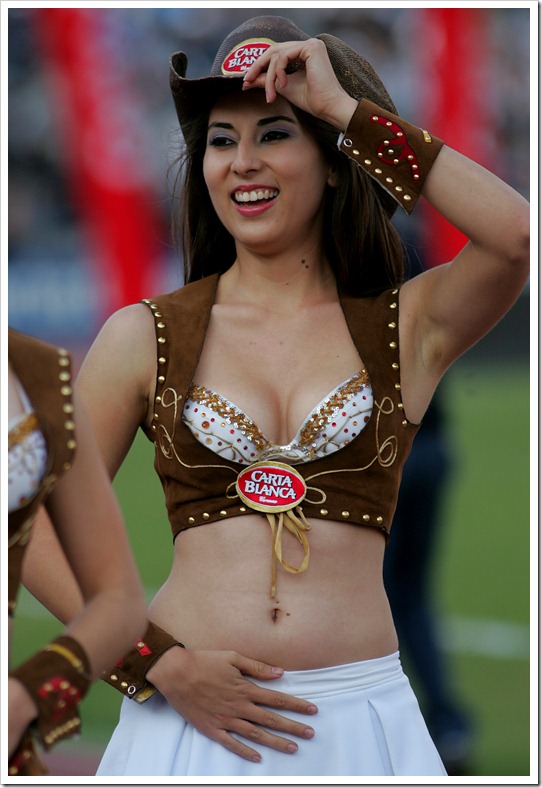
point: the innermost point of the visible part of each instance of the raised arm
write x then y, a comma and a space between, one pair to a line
449, 308
446, 310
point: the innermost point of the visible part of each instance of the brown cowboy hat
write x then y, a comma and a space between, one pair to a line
244, 45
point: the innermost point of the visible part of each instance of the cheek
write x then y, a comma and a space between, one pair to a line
208, 173
311, 172
313, 184
212, 180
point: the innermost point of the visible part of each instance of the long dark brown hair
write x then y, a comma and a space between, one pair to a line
363, 247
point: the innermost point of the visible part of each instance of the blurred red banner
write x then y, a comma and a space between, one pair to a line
103, 148
454, 61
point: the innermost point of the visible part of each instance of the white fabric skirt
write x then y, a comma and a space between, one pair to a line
368, 724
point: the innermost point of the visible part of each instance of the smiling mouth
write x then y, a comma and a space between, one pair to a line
258, 195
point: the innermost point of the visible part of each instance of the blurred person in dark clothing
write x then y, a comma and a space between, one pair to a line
408, 565
409, 561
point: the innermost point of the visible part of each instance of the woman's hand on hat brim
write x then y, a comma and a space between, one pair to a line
301, 72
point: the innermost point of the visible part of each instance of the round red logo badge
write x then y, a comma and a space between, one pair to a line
243, 55
271, 487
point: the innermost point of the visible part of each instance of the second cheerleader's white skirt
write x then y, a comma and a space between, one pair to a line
368, 724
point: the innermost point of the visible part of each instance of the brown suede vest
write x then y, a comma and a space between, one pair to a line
44, 372
357, 484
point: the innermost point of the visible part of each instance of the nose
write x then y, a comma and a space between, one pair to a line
246, 158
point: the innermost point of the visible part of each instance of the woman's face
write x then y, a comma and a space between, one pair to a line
265, 174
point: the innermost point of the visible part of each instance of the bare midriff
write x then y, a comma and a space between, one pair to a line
217, 595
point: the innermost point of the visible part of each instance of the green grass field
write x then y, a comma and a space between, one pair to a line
481, 571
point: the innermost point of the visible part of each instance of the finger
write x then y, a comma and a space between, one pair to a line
282, 65
264, 738
268, 697
256, 668
276, 722
287, 63
256, 82
257, 68
267, 66
271, 81
283, 701
237, 747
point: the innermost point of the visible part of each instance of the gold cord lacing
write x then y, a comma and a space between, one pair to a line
296, 522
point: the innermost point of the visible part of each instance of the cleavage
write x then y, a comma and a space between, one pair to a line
276, 374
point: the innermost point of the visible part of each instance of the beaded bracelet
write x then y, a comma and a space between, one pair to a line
25, 761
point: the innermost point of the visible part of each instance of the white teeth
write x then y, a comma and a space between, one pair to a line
254, 196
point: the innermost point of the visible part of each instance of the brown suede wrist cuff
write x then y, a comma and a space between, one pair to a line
394, 152
129, 674
57, 678
25, 761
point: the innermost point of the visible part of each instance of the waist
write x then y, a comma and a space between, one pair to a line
218, 595
336, 679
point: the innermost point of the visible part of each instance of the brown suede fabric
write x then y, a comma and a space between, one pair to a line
357, 484
25, 761
394, 152
57, 678
129, 674
45, 374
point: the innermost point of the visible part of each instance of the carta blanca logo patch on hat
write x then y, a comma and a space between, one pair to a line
243, 55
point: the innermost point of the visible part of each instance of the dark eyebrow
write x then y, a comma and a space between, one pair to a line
217, 124
274, 119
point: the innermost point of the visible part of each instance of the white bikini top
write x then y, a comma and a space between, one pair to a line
229, 432
27, 456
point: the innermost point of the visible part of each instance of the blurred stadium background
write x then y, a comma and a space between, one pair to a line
92, 135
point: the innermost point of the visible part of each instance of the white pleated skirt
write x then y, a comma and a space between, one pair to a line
368, 724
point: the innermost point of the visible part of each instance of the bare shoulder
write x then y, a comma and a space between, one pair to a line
126, 342
122, 362
129, 327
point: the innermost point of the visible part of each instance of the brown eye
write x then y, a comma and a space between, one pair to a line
274, 134
219, 141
